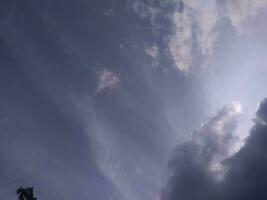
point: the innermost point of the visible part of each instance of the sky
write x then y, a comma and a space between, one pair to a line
133, 99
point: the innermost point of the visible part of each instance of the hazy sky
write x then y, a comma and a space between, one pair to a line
133, 99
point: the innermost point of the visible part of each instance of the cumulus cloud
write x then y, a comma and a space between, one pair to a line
107, 80
197, 162
204, 167
194, 22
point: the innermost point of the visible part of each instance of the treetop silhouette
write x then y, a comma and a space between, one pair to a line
25, 193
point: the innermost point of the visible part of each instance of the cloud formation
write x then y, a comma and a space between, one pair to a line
197, 162
195, 27
194, 24
107, 79
204, 168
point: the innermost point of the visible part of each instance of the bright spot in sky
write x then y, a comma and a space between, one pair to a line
237, 106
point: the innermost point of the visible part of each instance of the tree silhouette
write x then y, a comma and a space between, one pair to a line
25, 193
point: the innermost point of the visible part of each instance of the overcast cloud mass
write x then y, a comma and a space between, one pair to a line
133, 99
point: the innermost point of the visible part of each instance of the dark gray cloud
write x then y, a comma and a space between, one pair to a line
203, 167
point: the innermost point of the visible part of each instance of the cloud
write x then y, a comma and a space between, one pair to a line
247, 177
145, 10
194, 24
197, 162
107, 80
204, 167
239, 11
193, 33
195, 27
152, 51
261, 112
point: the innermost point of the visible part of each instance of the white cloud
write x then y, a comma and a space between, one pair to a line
107, 79
228, 112
181, 42
194, 25
238, 11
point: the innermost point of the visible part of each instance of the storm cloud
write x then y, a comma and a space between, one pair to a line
204, 167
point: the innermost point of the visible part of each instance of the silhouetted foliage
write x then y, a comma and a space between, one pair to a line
25, 193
